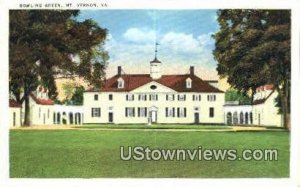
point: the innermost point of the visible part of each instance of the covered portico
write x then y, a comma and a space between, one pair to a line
68, 115
236, 114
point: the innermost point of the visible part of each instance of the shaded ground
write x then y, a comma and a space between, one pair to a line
155, 127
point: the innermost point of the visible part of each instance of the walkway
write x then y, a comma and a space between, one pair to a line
72, 127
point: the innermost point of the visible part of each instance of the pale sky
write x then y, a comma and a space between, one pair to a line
184, 37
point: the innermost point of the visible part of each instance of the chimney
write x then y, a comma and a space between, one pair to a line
192, 71
119, 71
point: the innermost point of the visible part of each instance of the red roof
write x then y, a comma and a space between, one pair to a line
42, 101
14, 104
260, 101
265, 87
175, 82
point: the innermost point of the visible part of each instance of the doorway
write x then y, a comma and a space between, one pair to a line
110, 117
196, 118
153, 114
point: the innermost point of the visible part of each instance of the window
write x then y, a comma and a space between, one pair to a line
129, 111
170, 97
153, 97
153, 87
181, 97
129, 97
96, 97
211, 112
196, 97
188, 82
142, 112
120, 83
211, 97
110, 97
181, 112
96, 112
142, 97
170, 112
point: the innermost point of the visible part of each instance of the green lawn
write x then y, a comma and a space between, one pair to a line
94, 154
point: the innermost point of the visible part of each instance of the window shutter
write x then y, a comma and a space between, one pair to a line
133, 111
166, 97
184, 97
126, 111
139, 97
139, 111
173, 112
126, 97
145, 97
146, 113
178, 112
156, 97
92, 112
184, 112
166, 111
99, 112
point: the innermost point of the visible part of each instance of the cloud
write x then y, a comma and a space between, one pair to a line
136, 49
180, 42
206, 39
139, 35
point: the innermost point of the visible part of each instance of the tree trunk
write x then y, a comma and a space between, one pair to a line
284, 107
27, 111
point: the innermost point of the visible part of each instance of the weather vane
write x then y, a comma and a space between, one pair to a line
156, 44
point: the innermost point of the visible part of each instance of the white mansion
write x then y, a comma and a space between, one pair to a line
152, 98
155, 98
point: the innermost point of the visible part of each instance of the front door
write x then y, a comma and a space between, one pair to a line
196, 117
153, 116
110, 117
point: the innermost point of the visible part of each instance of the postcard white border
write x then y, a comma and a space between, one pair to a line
294, 179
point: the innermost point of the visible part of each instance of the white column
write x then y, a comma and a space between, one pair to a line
67, 118
74, 119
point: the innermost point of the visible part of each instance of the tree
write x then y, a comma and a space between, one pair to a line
234, 95
42, 44
253, 49
68, 88
77, 98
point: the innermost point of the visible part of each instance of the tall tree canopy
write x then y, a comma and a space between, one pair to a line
253, 48
44, 43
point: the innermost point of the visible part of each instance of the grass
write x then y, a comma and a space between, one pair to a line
96, 154
153, 126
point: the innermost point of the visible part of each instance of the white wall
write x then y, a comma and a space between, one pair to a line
118, 104
15, 116
266, 114
40, 114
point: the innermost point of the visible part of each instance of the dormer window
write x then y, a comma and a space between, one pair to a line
120, 83
188, 82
